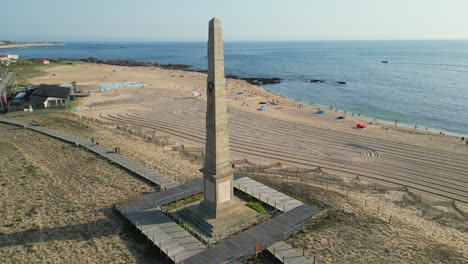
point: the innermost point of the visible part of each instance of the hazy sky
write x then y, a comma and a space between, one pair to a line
187, 20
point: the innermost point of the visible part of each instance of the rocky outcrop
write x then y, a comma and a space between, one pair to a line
184, 67
252, 80
129, 63
317, 81
261, 81
323, 81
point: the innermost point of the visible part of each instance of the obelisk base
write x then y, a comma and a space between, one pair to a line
218, 191
232, 214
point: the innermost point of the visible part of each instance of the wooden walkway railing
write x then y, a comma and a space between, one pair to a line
150, 175
178, 244
286, 254
270, 196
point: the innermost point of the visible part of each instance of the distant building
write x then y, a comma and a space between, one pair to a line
4, 59
49, 96
41, 61
13, 57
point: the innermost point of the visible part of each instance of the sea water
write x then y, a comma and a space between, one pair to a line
424, 83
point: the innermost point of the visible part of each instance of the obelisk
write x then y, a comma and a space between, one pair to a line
217, 171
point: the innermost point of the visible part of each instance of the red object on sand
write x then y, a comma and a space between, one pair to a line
360, 126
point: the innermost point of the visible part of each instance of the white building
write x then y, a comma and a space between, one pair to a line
13, 57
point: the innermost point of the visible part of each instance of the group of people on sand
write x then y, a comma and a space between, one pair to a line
464, 142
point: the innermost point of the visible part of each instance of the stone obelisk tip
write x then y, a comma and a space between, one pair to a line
215, 20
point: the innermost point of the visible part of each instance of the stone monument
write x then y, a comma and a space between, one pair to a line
220, 210
217, 172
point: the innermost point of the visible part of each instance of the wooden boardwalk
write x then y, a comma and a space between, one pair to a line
176, 243
173, 240
286, 254
122, 161
157, 199
266, 194
243, 245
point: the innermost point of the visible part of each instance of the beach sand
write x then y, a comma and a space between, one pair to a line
426, 161
25, 45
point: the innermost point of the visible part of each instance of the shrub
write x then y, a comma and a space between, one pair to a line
256, 206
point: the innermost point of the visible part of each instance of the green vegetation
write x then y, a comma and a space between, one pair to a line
31, 169
187, 228
257, 207
33, 210
26, 69
45, 122
180, 203
72, 104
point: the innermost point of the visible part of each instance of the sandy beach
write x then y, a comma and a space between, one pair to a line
25, 45
286, 132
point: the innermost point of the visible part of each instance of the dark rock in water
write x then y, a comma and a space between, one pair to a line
251, 80
261, 81
317, 81
323, 81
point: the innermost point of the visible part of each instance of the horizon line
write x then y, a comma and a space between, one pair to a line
270, 40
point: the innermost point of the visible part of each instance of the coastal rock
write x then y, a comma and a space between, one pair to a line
261, 81
130, 63
317, 81
323, 81
184, 67
252, 80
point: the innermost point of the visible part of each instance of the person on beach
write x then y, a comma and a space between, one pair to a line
463, 139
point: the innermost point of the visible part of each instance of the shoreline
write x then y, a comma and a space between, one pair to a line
258, 82
29, 45
184, 83
366, 119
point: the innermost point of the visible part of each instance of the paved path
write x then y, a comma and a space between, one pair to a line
266, 194
134, 167
286, 254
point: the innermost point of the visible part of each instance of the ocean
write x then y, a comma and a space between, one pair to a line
424, 83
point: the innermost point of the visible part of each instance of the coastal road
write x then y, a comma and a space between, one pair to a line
256, 136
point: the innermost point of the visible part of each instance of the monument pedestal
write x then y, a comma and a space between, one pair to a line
231, 214
218, 191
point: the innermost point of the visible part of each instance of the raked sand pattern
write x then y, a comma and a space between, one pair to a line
423, 161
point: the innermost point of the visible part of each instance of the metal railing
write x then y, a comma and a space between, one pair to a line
177, 196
